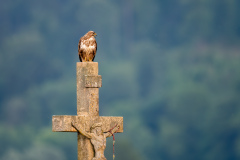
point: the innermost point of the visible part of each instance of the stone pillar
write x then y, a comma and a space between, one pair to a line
88, 83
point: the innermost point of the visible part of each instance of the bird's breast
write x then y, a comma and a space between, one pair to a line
88, 46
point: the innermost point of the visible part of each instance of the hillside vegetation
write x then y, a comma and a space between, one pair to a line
170, 68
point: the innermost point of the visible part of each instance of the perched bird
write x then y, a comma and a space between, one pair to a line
87, 47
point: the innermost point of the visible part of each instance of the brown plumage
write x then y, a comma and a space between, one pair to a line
87, 47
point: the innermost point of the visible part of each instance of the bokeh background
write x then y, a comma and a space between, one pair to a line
171, 68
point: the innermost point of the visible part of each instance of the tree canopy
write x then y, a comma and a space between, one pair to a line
170, 68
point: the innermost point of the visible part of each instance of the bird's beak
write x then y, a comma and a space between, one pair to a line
95, 34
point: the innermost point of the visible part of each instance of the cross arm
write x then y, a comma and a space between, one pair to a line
63, 123
112, 131
110, 122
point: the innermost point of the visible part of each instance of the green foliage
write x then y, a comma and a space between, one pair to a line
35, 153
170, 68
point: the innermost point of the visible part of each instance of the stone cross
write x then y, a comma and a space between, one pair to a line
88, 84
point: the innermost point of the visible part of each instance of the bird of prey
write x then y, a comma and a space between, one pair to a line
87, 47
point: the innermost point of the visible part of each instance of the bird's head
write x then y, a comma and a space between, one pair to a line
92, 33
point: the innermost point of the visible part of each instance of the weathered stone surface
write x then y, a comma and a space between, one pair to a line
88, 84
87, 97
62, 123
85, 148
93, 81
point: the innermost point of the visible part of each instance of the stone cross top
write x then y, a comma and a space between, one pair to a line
88, 84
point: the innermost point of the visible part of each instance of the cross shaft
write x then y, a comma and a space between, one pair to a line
88, 84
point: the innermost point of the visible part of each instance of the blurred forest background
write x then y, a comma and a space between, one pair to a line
170, 68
